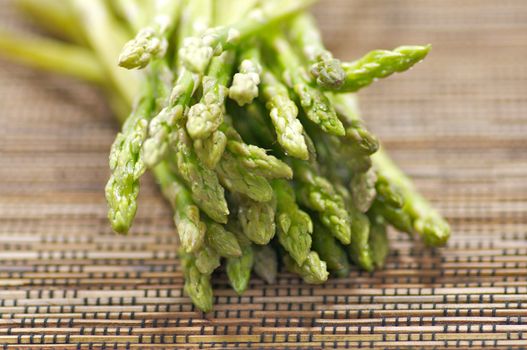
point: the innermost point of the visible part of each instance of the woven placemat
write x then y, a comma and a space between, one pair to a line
457, 124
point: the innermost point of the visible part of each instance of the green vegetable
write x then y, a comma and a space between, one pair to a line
265, 263
313, 270
375, 65
330, 251
294, 225
197, 284
224, 242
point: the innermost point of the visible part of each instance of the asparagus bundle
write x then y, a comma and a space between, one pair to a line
248, 124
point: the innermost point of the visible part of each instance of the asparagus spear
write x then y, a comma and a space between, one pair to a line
379, 244
359, 249
165, 124
205, 117
318, 194
330, 251
257, 219
283, 112
238, 179
191, 229
375, 65
265, 263
313, 270
151, 41
203, 182
425, 220
258, 161
197, 284
294, 225
210, 150
239, 269
315, 104
197, 52
362, 188
244, 88
224, 242
306, 35
207, 260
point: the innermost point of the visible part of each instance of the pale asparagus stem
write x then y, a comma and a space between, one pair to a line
55, 16
305, 34
244, 88
283, 112
52, 55
203, 182
375, 65
426, 221
205, 117
257, 219
265, 263
223, 241
294, 226
136, 12
321, 196
151, 41
316, 105
197, 284
191, 229
313, 270
197, 52
105, 35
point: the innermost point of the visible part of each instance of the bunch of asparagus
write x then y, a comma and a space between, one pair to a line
250, 126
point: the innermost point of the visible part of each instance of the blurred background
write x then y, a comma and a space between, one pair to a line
457, 123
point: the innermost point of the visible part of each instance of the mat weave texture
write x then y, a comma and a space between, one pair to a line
456, 123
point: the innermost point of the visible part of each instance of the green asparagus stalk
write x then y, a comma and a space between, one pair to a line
306, 35
203, 182
265, 263
362, 190
425, 220
224, 242
315, 103
197, 52
164, 125
375, 65
238, 179
244, 88
258, 161
318, 194
294, 226
257, 219
207, 260
197, 284
283, 112
379, 244
313, 270
210, 150
191, 229
359, 249
151, 41
330, 251
205, 117
239, 269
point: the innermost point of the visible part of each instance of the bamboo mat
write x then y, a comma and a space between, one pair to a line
457, 124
